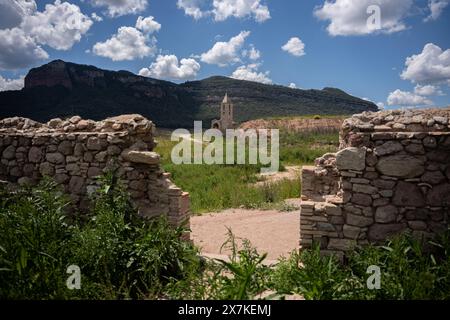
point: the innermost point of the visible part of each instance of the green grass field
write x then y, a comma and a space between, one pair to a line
218, 187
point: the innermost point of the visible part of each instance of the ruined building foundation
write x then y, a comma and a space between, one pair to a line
392, 174
75, 151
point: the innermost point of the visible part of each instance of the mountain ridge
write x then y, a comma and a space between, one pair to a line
62, 89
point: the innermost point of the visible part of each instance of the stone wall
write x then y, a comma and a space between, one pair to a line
75, 151
322, 179
392, 174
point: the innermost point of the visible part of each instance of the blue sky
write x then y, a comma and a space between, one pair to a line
331, 44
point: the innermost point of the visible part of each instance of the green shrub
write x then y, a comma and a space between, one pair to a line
120, 254
243, 276
310, 274
34, 242
408, 272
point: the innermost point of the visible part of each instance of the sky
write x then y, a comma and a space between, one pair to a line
395, 53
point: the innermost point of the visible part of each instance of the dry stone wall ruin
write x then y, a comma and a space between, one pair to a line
75, 151
392, 174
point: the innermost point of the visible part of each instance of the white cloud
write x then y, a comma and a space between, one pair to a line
436, 8
18, 50
96, 17
117, 8
432, 65
127, 44
130, 43
224, 53
427, 90
147, 25
224, 9
405, 98
250, 73
25, 30
60, 26
292, 85
252, 53
380, 105
13, 11
349, 17
192, 8
11, 84
167, 67
295, 46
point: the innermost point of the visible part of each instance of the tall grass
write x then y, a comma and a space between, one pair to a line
218, 187
119, 254
122, 256
34, 242
304, 148
410, 270
242, 277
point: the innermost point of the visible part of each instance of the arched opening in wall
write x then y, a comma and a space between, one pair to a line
215, 126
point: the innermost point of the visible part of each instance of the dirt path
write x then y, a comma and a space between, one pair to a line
274, 232
291, 173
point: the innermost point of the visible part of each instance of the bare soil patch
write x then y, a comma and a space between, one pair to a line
291, 173
274, 232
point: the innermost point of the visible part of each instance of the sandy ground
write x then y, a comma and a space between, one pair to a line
274, 232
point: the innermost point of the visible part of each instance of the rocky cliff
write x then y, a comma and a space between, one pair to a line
64, 89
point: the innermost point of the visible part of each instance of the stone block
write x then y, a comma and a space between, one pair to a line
361, 199
364, 188
433, 177
402, 166
439, 196
145, 157
387, 148
352, 232
35, 155
341, 244
408, 195
358, 221
351, 159
386, 214
55, 158
417, 225
380, 232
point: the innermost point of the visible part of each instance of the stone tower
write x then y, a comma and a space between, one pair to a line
226, 115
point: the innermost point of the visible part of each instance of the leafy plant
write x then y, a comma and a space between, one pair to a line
309, 273
241, 277
245, 269
123, 256
33, 242
409, 271
120, 254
